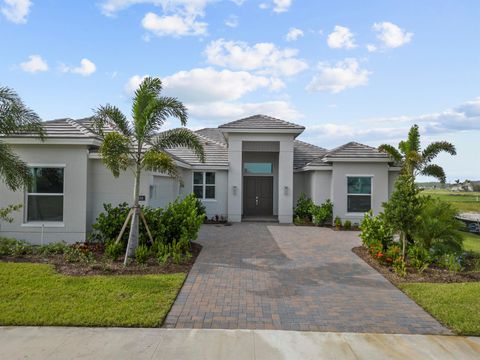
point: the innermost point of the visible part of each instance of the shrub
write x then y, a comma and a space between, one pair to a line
347, 225
201, 210
7, 246
322, 213
400, 267
419, 258
74, 254
113, 250
338, 222
393, 253
437, 227
109, 223
450, 262
141, 254
174, 250
52, 249
303, 210
375, 230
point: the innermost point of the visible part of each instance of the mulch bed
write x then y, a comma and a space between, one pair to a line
105, 267
430, 275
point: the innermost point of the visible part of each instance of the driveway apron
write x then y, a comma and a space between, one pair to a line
269, 276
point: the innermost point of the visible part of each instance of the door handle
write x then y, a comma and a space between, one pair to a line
256, 200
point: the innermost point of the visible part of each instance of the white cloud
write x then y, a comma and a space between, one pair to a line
278, 6
265, 58
341, 38
34, 64
86, 68
228, 111
293, 34
232, 21
371, 48
341, 76
16, 10
133, 83
197, 7
391, 35
174, 25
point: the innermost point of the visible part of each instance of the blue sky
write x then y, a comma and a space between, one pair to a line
347, 70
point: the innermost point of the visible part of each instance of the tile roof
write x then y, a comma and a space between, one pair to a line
303, 153
261, 122
61, 128
350, 150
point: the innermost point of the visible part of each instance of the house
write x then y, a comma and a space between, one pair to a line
255, 168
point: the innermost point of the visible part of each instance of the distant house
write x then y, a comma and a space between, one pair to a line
255, 168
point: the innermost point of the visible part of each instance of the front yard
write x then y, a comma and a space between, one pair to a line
35, 294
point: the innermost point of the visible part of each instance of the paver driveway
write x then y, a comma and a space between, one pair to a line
268, 276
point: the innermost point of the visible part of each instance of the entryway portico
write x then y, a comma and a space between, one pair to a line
260, 176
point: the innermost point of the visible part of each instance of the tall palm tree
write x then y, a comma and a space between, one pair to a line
139, 146
15, 118
413, 160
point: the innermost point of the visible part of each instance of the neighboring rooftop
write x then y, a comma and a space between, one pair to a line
261, 122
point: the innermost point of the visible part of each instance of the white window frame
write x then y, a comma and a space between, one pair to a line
204, 184
39, 222
357, 194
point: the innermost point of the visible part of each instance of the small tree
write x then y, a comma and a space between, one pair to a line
139, 145
413, 160
403, 208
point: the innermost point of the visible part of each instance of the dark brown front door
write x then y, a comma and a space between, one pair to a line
258, 195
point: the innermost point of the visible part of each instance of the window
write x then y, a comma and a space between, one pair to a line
257, 168
45, 194
359, 194
204, 185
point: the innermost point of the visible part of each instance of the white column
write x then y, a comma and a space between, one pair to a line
285, 182
235, 188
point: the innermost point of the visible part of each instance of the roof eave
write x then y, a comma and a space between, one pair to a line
64, 140
357, 159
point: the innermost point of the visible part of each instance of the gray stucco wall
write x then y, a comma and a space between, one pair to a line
392, 177
73, 227
380, 178
298, 186
321, 186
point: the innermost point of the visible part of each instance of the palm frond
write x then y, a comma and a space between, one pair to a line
390, 150
148, 91
414, 139
160, 161
115, 151
435, 148
111, 116
435, 171
179, 138
16, 117
13, 171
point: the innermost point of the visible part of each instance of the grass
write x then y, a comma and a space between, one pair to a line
455, 305
34, 294
471, 242
463, 201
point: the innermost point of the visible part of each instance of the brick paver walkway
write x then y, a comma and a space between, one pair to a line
267, 276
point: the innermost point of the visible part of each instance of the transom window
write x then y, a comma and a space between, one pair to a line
359, 194
204, 184
45, 194
257, 168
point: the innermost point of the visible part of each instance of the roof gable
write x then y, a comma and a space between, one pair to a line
261, 122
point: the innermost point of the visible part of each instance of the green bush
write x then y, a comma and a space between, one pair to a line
400, 267
436, 227
113, 250
419, 258
303, 210
109, 223
338, 222
74, 254
174, 250
141, 254
393, 253
375, 230
201, 210
52, 249
450, 262
347, 225
322, 213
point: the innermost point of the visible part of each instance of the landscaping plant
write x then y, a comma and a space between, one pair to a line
376, 231
419, 257
141, 254
303, 210
113, 250
338, 223
322, 213
139, 145
347, 225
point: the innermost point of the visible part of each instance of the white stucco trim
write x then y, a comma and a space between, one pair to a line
51, 141
367, 160
262, 131
313, 167
47, 224
394, 168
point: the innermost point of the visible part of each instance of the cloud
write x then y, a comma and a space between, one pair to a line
278, 6
341, 38
339, 77
391, 35
293, 34
371, 48
173, 25
34, 64
264, 58
228, 111
86, 68
232, 21
133, 83
16, 10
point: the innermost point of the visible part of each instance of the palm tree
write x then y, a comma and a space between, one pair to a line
138, 145
15, 118
416, 162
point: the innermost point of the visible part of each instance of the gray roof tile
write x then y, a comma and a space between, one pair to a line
303, 153
261, 122
354, 150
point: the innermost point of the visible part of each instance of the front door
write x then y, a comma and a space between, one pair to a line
258, 196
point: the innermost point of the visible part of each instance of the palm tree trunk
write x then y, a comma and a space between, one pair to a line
404, 243
133, 235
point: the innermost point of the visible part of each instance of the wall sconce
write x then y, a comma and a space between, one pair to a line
285, 190
234, 190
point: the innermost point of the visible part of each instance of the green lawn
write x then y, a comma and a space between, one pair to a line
471, 242
34, 294
455, 305
463, 201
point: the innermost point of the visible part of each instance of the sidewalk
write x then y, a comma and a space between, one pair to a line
122, 343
